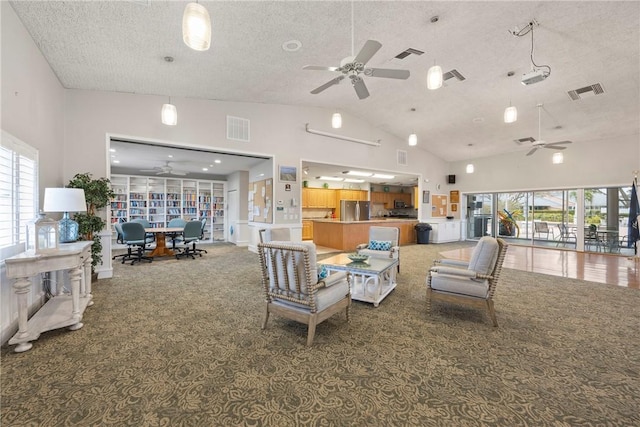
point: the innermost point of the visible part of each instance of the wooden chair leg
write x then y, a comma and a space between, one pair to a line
266, 316
312, 330
492, 312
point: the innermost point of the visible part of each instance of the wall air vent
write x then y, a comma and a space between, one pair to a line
586, 92
238, 129
453, 73
402, 157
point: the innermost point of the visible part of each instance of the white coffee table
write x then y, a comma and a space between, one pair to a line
371, 281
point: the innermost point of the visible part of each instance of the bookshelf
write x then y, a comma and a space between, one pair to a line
159, 200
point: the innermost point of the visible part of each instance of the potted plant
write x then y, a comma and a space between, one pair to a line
508, 225
98, 194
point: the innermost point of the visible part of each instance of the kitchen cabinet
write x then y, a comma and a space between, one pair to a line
318, 198
307, 230
389, 198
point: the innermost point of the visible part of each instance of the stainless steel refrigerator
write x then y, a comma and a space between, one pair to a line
353, 210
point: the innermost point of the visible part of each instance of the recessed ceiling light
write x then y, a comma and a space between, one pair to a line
292, 46
383, 176
170, 156
205, 169
116, 161
328, 178
210, 166
113, 150
217, 161
358, 173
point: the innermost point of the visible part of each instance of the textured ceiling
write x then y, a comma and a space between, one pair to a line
120, 46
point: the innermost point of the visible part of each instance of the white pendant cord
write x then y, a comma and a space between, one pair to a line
352, 33
539, 123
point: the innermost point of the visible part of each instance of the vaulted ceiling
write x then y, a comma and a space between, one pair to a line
122, 45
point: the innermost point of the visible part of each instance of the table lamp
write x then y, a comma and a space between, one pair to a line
65, 200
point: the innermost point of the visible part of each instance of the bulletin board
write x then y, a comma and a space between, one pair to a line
261, 201
439, 205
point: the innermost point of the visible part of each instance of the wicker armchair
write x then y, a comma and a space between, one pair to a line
473, 283
293, 290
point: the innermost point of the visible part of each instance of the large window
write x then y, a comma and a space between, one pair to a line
18, 192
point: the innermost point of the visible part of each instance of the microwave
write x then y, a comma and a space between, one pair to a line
399, 204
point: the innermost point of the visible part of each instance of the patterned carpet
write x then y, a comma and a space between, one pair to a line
178, 343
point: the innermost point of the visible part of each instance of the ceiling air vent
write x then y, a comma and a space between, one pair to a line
586, 92
402, 157
238, 129
453, 73
408, 52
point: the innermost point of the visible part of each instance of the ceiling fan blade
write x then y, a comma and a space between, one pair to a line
149, 170
387, 73
554, 147
327, 85
361, 88
523, 140
560, 143
179, 173
533, 150
368, 50
320, 68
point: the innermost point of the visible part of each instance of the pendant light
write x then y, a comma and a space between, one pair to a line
434, 77
510, 114
558, 158
169, 114
336, 121
470, 168
196, 27
413, 139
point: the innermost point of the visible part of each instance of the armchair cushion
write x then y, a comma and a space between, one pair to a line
325, 297
484, 256
459, 285
380, 245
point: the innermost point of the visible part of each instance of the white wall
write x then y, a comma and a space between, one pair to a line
603, 163
275, 130
32, 99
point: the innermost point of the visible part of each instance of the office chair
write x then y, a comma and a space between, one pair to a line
176, 237
190, 236
134, 235
120, 240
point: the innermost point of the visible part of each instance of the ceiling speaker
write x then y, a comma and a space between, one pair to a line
451, 179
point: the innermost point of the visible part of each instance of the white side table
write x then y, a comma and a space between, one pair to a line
61, 310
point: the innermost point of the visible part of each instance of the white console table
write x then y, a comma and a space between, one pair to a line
61, 310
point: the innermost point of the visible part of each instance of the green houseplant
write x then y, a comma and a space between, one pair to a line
98, 194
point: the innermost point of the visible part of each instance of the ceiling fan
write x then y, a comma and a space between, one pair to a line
539, 143
354, 67
166, 169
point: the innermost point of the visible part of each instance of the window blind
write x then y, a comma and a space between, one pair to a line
18, 191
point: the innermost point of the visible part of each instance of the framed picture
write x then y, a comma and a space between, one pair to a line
454, 207
288, 174
454, 196
425, 197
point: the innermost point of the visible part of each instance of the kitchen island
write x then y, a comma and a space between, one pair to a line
346, 235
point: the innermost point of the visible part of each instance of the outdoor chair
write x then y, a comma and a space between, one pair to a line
541, 228
383, 243
293, 288
472, 283
566, 235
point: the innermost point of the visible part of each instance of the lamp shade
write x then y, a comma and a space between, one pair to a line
510, 114
64, 200
413, 139
434, 77
336, 121
196, 27
169, 114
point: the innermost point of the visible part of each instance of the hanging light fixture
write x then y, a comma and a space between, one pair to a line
470, 168
510, 114
413, 139
336, 121
434, 77
169, 114
557, 158
196, 27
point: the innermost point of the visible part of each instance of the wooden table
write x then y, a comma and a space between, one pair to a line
61, 310
161, 241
